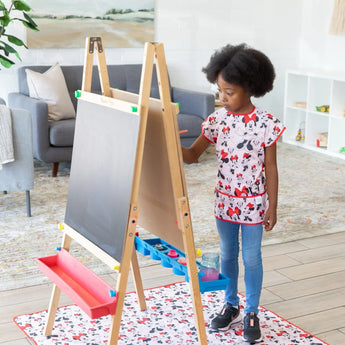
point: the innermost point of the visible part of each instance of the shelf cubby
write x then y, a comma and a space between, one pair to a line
314, 89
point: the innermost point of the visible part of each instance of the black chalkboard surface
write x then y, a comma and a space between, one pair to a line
101, 176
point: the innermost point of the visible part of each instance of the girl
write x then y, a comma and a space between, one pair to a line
245, 139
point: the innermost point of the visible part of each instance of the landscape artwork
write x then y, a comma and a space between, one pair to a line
66, 23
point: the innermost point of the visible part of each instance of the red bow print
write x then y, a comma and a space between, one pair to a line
248, 118
226, 129
224, 154
235, 211
238, 192
246, 155
250, 205
234, 158
78, 337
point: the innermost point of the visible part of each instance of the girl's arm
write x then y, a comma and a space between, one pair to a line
272, 186
192, 154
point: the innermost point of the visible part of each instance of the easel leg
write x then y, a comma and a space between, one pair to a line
53, 305
123, 276
192, 270
138, 281
56, 293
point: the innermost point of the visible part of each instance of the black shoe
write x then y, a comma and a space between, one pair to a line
252, 333
226, 318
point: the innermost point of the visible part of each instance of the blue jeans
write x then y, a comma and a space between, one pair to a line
251, 253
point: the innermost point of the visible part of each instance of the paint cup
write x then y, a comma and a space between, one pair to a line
172, 253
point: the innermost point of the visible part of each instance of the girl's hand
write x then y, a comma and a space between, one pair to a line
270, 219
192, 154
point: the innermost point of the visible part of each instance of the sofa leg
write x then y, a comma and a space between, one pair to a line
28, 203
55, 169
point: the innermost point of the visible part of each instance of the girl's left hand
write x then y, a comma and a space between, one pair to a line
270, 219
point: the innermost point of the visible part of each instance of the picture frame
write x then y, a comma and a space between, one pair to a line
62, 23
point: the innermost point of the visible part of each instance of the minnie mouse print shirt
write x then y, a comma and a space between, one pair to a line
240, 139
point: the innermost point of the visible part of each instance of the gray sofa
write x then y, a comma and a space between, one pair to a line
53, 141
19, 174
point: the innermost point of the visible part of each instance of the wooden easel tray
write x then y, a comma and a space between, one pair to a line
81, 284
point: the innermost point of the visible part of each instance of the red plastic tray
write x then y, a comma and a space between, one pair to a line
82, 285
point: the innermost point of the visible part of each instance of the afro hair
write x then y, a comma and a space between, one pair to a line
242, 66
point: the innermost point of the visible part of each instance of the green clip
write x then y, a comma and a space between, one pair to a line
179, 107
342, 150
134, 109
77, 94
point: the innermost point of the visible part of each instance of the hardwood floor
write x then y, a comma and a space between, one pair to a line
304, 282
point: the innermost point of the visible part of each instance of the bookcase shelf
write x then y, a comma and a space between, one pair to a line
320, 131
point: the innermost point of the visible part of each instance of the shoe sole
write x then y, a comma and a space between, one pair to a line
259, 340
235, 320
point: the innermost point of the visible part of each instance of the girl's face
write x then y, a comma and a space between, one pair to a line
233, 97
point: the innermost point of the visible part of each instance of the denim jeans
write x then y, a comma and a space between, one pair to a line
251, 236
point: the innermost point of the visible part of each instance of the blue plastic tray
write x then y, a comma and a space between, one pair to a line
159, 250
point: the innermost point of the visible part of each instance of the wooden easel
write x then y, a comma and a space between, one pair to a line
123, 100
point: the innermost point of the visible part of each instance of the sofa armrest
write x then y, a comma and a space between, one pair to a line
193, 102
40, 125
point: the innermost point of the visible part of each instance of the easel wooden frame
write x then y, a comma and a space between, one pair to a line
153, 52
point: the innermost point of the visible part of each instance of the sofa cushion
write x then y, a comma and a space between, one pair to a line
51, 87
133, 79
61, 132
191, 123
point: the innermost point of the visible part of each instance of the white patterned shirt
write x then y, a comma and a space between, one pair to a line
240, 139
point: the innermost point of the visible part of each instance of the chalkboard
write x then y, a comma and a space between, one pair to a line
101, 176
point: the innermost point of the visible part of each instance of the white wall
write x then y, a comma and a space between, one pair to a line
191, 36
292, 33
319, 49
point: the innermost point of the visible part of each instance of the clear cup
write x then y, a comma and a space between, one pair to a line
209, 266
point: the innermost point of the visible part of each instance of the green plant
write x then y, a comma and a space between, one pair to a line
10, 14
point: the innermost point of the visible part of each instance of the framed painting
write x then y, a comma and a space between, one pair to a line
66, 23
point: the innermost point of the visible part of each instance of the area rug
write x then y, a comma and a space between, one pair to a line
310, 204
169, 319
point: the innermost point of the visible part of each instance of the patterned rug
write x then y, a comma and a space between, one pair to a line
169, 319
311, 203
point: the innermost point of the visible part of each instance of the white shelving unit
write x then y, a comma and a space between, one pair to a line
315, 88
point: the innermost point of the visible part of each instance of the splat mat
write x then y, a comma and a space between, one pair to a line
169, 319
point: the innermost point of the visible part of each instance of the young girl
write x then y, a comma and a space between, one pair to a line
245, 139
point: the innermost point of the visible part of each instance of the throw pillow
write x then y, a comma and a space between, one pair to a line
51, 87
